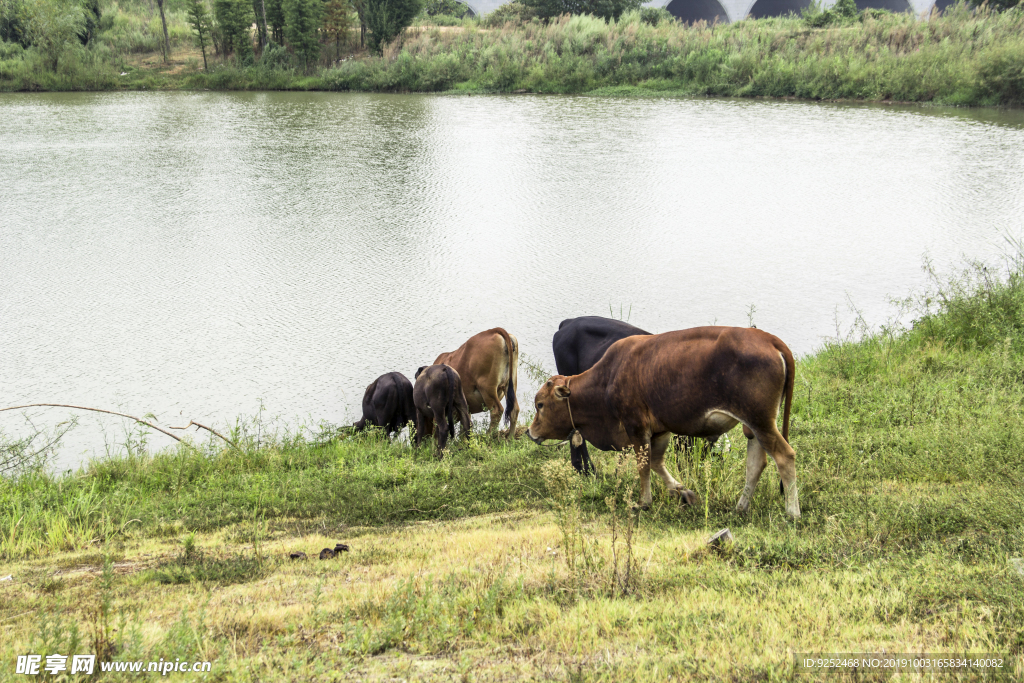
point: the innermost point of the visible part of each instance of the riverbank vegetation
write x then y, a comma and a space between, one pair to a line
499, 562
964, 56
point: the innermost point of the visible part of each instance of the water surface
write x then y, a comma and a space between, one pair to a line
195, 254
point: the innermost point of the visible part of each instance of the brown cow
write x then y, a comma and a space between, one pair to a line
488, 365
699, 382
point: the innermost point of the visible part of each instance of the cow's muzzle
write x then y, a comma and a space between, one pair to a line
537, 440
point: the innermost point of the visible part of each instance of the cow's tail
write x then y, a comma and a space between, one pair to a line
787, 393
513, 375
450, 374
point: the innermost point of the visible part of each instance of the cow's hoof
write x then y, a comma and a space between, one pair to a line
642, 507
686, 496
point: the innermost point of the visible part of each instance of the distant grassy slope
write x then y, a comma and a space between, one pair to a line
959, 58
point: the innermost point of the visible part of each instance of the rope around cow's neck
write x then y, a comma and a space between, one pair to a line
574, 436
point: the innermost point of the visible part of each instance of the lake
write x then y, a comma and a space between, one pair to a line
200, 255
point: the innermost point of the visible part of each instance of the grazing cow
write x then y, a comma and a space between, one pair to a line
699, 382
488, 365
578, 344
387, 403
437, 395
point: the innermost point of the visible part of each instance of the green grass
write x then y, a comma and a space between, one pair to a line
498, 562
962, 57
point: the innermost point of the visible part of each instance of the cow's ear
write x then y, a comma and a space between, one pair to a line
418, 372
562, 391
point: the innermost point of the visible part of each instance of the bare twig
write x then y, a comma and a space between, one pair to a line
193, 422
95, 410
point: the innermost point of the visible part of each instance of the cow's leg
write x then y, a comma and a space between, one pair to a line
462, 407
756, 460
441, 421
659, 444
424, 427
386, 407
785, 459
493, 404
580, 458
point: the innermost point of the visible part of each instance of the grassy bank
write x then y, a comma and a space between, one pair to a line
962, 57
498, 563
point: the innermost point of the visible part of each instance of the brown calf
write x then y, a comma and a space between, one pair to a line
488, 364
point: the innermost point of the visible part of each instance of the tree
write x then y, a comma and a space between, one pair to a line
199, 18
53, 27
451, 8
337, 20
302, 28
163, 20
386, 19
275, 18
259, 8
91, 9
14, 22
234, 18
606, 9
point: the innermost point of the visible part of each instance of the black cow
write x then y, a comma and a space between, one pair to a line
578, 344
437, 395
387, 403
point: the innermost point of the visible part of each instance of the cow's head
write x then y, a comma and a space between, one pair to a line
552, 419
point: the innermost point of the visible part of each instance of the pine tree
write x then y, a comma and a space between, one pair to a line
199, 18
337, 21
302, 29
235, 18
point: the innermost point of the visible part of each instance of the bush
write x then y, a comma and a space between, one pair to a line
449, 8
843, 12
655, 15
1002, 74
606, 9
276, 57
514, 12
10, 50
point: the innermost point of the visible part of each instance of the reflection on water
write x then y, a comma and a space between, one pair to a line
191, 254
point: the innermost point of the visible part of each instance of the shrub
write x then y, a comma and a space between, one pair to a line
450, 8
514, 12
606, 9
655, 15
843, 12
276, 57
1002, 74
